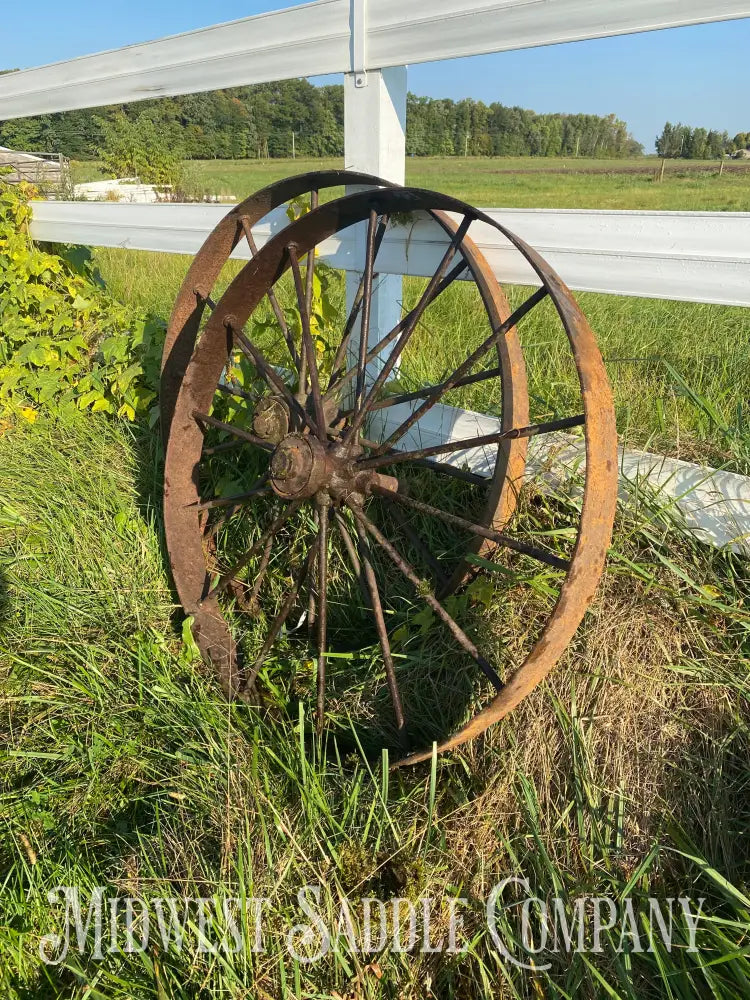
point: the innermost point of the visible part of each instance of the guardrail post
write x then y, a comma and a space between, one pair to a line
375, 142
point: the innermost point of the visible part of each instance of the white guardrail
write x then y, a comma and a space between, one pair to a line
691, 256
687, 260
336, 36
703, 257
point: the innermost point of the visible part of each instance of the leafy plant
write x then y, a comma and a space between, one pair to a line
323, 309
138, 148
65, 342
325, 316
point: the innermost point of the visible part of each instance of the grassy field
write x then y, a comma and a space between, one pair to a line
625, 776
523, 182
680, 372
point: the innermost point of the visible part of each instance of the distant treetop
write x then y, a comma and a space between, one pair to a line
272, 119
687, 143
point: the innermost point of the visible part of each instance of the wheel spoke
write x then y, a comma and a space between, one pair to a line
271, 295
442, 467
277, 523
427, 297
280, 619
267, 372
310, 267
260, 576
238, 432
377, 611
465, 367
407, 397
308, 347
403, 566
235, 390
394, 457
260, 488
322, 607
391, 336
451, 470
210, 529
205, 299
340, 355
311, 604
225, 446
364, 329
477, 529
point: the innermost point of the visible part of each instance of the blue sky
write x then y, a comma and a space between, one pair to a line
699, 75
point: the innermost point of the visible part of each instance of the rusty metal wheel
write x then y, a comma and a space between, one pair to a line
209, 263
333, 465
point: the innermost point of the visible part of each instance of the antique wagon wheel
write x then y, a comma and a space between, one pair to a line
306, 446
207, 266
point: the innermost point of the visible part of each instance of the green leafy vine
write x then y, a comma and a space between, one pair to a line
65, 342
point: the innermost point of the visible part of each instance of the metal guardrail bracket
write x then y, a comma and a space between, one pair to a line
359, 42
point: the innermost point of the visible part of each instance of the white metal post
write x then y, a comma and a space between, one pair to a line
375, 122
375, 143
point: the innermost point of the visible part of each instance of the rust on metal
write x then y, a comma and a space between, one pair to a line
314, 449
271, 419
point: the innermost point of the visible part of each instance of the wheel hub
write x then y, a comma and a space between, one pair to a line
301, 466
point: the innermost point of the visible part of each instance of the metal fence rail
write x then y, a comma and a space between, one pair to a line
336, 36
689, 256
700, 257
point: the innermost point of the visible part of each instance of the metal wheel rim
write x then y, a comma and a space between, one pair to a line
184, 321
597, 514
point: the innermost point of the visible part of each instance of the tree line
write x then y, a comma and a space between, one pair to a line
236, 123
441, 127
293, 116
684, 142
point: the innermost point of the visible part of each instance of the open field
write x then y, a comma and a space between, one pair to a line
508, 182
624, 776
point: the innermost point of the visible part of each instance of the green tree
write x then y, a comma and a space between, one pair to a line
25, 134
139, 149
259, 121
694, 143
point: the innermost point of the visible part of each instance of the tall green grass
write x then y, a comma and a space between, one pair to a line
680, 371
624, 775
